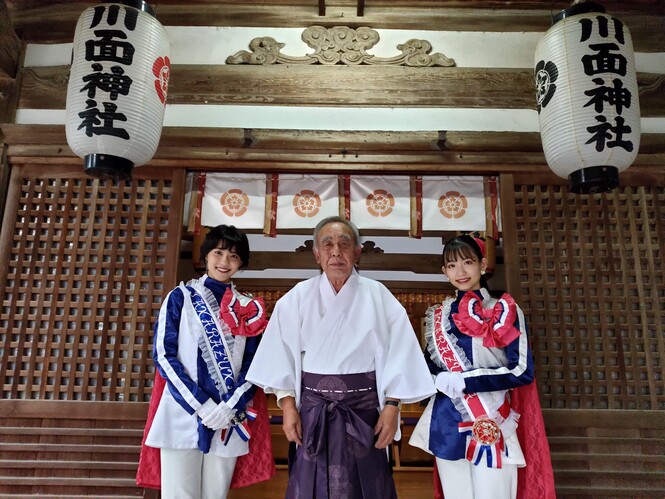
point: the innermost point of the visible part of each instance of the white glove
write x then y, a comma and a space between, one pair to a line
450, 383
215, 416
206, 408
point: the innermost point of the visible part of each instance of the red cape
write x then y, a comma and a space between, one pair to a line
251, 468
536, 479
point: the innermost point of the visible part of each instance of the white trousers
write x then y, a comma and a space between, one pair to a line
462, 480
191, 474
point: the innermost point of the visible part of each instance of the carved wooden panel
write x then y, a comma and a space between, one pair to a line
340, 45
85, 264
593, 288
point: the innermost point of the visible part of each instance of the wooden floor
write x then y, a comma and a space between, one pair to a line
411, 484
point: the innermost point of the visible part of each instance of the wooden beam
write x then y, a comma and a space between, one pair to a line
330, 151
394, 286
324, 140
488, 164
361, 8
57, 409
347, 86
633, 177
315, 141
322, 8
418, 264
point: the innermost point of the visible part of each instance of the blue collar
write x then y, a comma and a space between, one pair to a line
481, 293
218, 288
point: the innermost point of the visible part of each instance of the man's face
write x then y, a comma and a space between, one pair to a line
336, 252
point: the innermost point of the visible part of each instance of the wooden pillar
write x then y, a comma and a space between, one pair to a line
10, 55
510, 254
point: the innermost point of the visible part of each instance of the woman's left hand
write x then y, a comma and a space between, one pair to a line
220, 417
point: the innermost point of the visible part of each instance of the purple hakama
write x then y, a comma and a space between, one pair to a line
338, 459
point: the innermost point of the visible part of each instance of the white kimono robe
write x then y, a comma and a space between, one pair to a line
360, 329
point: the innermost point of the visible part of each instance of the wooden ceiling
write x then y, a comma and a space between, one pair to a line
48, 21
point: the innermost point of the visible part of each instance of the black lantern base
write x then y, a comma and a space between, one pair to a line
594, 179
106, 166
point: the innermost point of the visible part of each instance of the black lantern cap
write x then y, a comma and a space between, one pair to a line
578, 8
137, 4
594, 179
107, 166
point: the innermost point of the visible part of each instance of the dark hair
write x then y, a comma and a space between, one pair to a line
463, 246
230, 237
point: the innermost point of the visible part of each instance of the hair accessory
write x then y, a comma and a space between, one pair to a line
481, 245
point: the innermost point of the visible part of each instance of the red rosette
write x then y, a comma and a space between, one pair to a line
495, 325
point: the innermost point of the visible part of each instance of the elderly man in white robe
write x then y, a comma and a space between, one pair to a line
341, 356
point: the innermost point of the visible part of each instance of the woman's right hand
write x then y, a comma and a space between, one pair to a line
291, 423
215, 416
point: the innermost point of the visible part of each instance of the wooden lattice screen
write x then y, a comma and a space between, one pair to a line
592, 285
84, 267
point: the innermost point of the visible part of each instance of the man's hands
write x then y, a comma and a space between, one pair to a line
385, 429
291, 423
386, 426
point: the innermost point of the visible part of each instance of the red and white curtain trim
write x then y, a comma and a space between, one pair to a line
273, 202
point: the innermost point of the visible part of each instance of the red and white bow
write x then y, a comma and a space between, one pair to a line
495, 325
243, 320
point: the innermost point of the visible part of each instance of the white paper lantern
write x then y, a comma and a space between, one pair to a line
587, 96
117, 87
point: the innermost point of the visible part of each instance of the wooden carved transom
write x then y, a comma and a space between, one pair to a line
367, 247
340, 45
307, 247
371, 247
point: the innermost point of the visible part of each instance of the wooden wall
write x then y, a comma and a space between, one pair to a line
89, 261
85, 263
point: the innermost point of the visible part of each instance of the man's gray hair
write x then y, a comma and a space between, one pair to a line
343, 221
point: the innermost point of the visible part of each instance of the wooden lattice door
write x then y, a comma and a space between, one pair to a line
589, 269
84, 266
